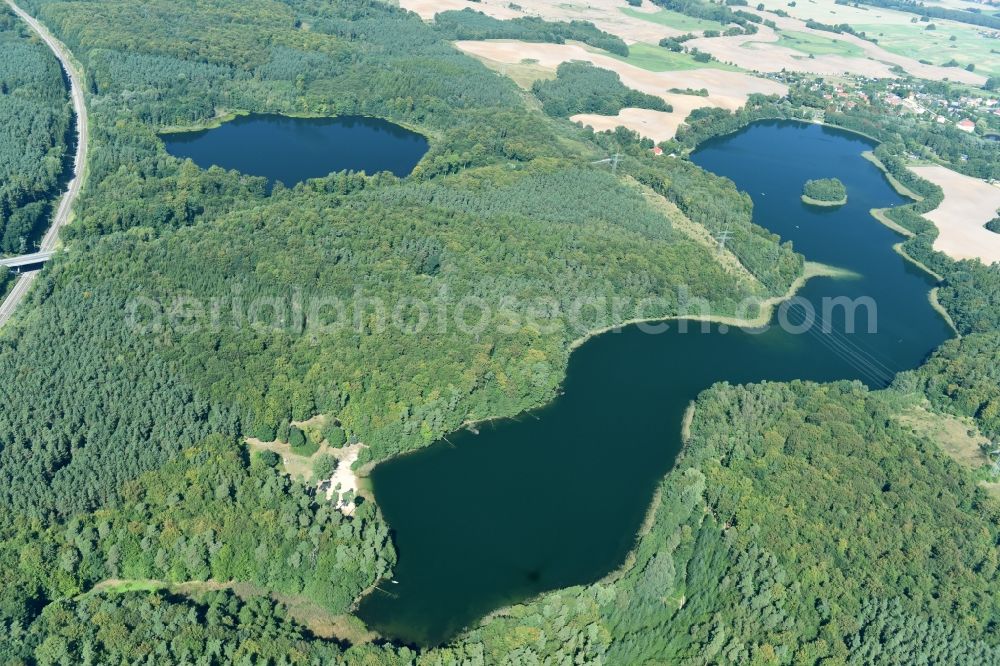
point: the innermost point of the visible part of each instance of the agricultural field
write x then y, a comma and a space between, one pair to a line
828, 11
674, 20
659, 59
812, 44
902, 33
948, 41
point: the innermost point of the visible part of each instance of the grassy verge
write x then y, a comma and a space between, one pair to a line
879, 214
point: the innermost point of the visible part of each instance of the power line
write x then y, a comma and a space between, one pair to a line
866, 363
614, 159
722, 237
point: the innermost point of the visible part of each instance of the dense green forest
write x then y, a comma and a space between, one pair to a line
192, 513
470, 24
193, 226
994, 225
825, 190
803, 523
159, 628
796, 514
34, 129
580, 87
416, 385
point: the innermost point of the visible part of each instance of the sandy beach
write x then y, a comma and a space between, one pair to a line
344, 479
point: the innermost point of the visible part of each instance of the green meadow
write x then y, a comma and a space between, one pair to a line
673, 19
816, 45
659, 59
936, 46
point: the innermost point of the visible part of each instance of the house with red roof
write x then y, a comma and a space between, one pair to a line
966, 125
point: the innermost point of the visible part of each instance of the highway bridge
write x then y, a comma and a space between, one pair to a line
33, 259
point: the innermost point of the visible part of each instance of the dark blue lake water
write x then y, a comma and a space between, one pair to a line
291, 150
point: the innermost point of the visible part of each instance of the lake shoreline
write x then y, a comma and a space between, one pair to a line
293, 149
901, 189
224, 116
767, 306
811, 269
809, 201
880, 215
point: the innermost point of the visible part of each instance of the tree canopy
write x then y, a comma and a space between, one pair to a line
35, 132
824, 190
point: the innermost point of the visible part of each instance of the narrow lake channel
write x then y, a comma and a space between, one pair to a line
555, 497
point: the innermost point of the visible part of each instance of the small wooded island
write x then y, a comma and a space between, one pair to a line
824, 192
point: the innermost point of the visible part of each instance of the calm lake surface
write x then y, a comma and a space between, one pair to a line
554, 497
292, 150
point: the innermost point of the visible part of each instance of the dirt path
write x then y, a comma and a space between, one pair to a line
344, 479
64, 210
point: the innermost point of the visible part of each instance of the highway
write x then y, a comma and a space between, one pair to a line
64, 210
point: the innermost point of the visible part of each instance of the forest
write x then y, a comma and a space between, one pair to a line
710, 11
580, 87
825, 190
35, 131
470, 24
803, 524
850, 550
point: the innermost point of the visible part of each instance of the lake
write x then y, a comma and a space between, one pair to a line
555, 497
292, 150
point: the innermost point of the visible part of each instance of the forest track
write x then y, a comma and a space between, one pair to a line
69, 197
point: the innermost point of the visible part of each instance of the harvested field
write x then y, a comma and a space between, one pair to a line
761, 52
764, 52
605, 14
727, 89
968, 204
